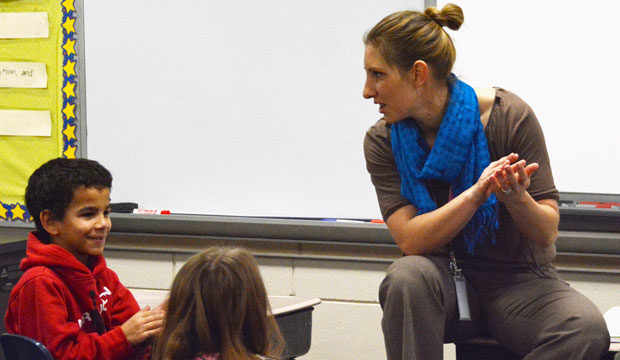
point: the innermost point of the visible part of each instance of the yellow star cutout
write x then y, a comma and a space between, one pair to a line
69, 89
3, 211
18, 212
69, 68
69, 132
69, 47
68, 25
70, 152
69, 111
68, 4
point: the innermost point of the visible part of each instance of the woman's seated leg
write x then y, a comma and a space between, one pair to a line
543, 318
419, 308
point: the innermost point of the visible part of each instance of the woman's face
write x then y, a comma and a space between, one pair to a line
394, 93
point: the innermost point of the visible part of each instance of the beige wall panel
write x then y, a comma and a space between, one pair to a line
141, 270
342, 280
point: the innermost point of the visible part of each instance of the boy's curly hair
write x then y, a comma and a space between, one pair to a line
52, 185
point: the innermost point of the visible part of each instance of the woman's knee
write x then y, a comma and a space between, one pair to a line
593, 333
412, 274
583, 332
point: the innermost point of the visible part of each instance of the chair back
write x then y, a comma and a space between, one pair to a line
19, 347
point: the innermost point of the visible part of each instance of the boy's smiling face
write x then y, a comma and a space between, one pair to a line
86, 223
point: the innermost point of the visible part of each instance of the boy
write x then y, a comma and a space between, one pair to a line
67, 298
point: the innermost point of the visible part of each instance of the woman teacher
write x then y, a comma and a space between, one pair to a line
464, 184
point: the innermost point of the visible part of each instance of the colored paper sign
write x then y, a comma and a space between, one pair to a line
25, 122
20, 25
23, 75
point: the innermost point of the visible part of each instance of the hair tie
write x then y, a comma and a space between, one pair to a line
432, 14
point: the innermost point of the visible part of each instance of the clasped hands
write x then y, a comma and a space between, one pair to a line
507, 178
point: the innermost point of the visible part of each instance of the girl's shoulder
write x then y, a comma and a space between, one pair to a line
216, 356
208, 357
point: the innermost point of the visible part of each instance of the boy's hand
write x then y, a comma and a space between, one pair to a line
163, 306
143, 324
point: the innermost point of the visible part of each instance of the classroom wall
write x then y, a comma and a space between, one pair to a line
346, 276
347, 324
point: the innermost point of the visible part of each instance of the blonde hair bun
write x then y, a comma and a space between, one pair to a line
450, 15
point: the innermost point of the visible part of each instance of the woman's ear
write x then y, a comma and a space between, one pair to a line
49, 222
419, 73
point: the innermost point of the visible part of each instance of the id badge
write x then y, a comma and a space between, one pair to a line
461, 297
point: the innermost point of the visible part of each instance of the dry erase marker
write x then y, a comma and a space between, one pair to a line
152, 212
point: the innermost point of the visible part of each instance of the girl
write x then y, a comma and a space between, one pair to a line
218, 310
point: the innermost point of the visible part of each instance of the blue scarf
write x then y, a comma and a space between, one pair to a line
459, 155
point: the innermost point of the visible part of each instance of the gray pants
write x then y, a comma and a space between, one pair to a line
539, 318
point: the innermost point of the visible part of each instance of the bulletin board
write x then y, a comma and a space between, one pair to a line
38, 94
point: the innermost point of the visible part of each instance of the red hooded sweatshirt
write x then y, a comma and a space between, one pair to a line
53, 303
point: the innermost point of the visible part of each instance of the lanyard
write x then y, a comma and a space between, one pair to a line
461, 288
460, 284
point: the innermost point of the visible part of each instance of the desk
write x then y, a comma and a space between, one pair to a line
293, 315
10, 256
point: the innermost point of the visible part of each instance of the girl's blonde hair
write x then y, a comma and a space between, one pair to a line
407, 36
218, 304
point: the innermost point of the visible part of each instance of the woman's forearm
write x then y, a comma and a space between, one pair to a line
423, 234
538, 221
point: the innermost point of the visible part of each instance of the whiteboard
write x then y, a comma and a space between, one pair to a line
561, 57
247, 108
254, 108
